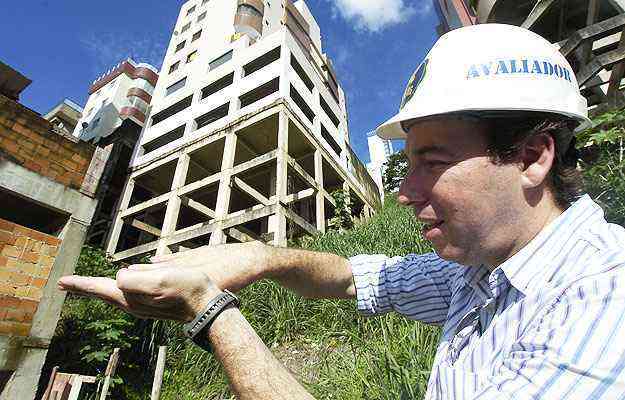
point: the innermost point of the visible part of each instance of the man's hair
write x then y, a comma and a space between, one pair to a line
508, 134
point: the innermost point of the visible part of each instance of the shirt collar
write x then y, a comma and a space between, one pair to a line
534, 264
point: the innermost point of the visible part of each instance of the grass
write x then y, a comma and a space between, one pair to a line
336, 353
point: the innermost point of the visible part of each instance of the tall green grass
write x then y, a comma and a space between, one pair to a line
336, 353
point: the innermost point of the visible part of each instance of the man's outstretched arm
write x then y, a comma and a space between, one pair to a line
234, 267
180, 294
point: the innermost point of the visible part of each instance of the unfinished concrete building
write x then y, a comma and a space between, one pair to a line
247, 136
588, 32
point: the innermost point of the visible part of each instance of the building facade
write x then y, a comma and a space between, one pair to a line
64, 116
123, 92
246, 138
379, 152
453, 14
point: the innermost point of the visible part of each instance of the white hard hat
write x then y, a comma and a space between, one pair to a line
490, 68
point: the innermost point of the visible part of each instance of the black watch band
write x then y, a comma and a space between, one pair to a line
196, 330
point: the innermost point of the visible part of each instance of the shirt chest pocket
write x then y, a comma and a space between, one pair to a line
454, 383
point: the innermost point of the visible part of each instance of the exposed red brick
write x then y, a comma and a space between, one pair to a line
10, 251
3, 261
28, 305
6, 225
11, 302
7, 238
30, 257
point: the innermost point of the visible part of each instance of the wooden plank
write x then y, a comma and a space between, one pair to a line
594, 32
598, 63
617, 73
540, 9
593, 12
251, 191
158, 373
146, 227
111, 367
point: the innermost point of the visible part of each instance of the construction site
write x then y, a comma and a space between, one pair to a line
242, 135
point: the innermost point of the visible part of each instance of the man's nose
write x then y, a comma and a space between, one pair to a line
411, 191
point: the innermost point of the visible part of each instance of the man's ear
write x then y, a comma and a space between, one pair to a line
537, 156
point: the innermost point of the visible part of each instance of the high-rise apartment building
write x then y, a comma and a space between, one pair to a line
247, 136
454, 14
123, 92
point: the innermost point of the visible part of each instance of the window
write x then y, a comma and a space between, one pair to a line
171, 110
191, 57
186, 27
328, 138
174, 67
201, 16
163, 140
262, 61
218, 85
190, 10
329, 112
260, 92
297, 67
220, 60
176, 86
95, 123
180, 46
212, 116
301, 103
249, 10
196, 35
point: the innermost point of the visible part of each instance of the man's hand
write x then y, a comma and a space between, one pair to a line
150, 291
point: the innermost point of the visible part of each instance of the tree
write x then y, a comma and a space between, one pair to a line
603, 148
396, 169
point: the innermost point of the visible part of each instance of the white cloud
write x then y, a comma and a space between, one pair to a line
106, 49
375, 15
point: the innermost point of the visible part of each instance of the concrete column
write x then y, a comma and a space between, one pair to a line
225, 189
320, 201
173, 204
23, 383
114, 234
277, 222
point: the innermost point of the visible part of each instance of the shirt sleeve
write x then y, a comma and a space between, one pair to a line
417, 286
576, 351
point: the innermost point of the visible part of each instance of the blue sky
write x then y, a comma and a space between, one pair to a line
63, 45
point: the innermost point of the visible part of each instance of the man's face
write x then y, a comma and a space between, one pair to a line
467, 203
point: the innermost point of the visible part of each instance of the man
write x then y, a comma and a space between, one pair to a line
528, 279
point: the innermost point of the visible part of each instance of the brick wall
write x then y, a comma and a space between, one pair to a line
26, 259
29, 140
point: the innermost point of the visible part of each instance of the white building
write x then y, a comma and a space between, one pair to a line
247, 134
379, 152
123, 92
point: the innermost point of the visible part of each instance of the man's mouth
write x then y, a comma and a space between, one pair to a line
429, 228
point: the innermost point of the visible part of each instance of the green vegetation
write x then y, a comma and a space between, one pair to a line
396, 170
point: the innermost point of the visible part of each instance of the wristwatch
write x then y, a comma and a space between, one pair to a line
197, 329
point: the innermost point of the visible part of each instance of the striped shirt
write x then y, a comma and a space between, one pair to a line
549, 323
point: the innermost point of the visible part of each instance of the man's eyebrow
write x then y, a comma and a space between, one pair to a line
432, 149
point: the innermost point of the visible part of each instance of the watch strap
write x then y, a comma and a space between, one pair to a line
196, 329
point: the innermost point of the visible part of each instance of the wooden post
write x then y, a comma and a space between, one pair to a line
593, 11
158, 373
46, 394
110, 371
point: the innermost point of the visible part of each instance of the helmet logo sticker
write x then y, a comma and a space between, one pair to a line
526, 66
414, 83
